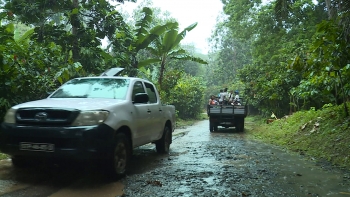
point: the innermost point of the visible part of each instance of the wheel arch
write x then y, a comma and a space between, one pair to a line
127, 132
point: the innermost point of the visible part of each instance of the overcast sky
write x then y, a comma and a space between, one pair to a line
188, 12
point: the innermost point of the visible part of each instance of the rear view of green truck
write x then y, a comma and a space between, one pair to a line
227, 116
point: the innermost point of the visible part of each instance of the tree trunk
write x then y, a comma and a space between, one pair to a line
161, 72
134, 66
75, 29
344, 98
290, 105
331, 9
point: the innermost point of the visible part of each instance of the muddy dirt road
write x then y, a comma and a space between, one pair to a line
200, 163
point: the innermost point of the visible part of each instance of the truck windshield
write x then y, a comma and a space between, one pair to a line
93, 88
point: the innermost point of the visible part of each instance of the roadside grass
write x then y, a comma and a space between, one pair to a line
3, 156
323, 134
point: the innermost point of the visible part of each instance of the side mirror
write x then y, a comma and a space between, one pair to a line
141, 98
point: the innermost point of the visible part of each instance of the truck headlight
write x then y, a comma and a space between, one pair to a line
10, 116
89, 118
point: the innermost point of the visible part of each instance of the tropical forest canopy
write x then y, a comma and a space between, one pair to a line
44, 43
284, 56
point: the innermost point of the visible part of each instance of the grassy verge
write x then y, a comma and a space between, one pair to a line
3, 156
322, 134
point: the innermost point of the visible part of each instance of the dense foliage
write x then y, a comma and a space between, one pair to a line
290, 55
185, 92
45, 43
27, 65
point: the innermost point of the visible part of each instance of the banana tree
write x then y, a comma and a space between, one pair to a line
139, 38
166, 47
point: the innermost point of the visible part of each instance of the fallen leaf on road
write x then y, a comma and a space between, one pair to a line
155, 183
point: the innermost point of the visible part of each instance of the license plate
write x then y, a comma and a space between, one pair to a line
45, 147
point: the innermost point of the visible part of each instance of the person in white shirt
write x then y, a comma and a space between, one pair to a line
230, 97
236, 100
226, 97
222, 97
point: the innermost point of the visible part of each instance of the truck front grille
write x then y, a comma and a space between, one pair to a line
46, 116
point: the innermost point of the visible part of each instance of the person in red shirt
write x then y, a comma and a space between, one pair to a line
212, 100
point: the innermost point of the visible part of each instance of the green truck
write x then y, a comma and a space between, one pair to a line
227, 116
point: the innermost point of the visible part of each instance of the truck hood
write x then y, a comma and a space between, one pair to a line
73, 103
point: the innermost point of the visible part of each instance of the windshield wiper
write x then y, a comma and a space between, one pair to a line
83, 96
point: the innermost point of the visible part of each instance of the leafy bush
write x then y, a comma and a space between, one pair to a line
29, 70
185, 92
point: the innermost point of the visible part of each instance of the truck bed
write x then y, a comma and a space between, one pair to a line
226, 109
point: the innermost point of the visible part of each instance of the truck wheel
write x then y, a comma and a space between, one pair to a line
120, 156
211, 126
216, 128
240, 125
163, 144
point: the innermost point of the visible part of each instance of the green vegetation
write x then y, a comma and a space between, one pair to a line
289, 55
45, 44
3, 156
323, 134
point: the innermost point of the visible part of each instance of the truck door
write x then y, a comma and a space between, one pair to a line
142, 117
156, 111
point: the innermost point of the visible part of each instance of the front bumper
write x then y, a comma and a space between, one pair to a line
88, 142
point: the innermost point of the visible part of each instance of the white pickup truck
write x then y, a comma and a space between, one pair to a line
101, 118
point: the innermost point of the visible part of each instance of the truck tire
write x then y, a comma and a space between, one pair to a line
211, 126
163, 144
240, 125
216, 127
121, 155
